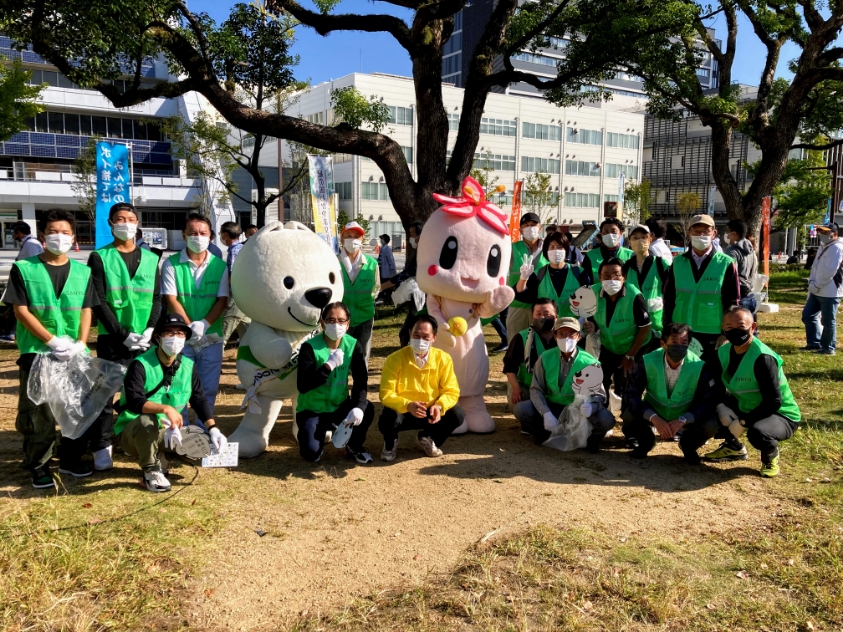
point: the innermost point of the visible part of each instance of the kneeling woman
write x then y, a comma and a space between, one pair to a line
324, 364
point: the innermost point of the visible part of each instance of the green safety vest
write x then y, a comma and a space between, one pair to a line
357, 294
744, 386
699, 305
617, 336
595, 257
330, 396
519, 249
130, 298
525, 374
177, 395
550, 360
59, 315
670, 407
651, 288
197, 302
546, 290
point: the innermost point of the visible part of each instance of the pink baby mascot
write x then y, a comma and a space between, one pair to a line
463, 260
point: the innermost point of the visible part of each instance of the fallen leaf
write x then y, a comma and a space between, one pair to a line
417, 557
359, 478
742, 575
87, 505
587, 605
791, 562
209, 592
711, 606
193, 503
763, 565
94, 520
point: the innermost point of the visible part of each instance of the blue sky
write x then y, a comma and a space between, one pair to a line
338, 54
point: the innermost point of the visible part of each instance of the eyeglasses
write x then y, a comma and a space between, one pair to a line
173, 334
336, 321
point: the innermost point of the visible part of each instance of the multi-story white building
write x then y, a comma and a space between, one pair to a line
35, 164
584, 149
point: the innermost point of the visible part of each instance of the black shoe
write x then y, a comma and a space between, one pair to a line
808, 348
42, 479
593, 446
77, 470
638, 453
691, 458
631, 443
503, 346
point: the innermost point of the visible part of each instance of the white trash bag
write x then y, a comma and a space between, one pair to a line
573, 430
76, 391
409, 291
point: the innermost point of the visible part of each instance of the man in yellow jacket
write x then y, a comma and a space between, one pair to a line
419, 391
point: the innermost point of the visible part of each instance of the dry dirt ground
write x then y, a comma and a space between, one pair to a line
336, 530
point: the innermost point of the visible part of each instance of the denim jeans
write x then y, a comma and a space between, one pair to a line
821, 308
209, 365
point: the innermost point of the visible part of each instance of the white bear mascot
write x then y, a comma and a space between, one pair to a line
282, 278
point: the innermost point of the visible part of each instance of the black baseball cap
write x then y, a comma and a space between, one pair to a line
530, 217
830, 226
173, 320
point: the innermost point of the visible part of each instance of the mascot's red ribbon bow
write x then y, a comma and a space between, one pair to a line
473, 203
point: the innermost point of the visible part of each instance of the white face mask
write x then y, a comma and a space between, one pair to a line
335, 332
420, 346
352, 245
198, 244
59, 244
530, 233
172, 345
825, 239
556, 256
726, 239
612, 287
413, 242
611, 240
566, 345
701, 243
124, 232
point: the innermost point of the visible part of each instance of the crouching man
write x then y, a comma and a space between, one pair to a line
419, 391
670, 389
157, 386
552, 388
758, 397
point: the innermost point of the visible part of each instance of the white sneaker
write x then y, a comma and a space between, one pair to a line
389, 454
240, 386
102, 459
156, 481
426, 444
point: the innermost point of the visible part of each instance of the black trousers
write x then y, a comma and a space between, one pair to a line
694, 435
313, 426
709, 355
391, 423
101, 432
764, 435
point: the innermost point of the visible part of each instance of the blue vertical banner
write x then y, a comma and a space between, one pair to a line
114, 184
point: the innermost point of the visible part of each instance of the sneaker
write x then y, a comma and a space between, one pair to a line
389, 454
156, 481
42, 479
503, 346
678, 436
426, 444
824, 352
8, 338
102, 459
771, 469
638, 453
77, 470
727, 453
362, 456
632, 443
329, 436
691, 457
808, 348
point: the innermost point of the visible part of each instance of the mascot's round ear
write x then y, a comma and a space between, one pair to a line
296, 226
271, 227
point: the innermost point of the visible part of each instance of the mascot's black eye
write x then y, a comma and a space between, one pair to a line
578, 374
493, 263
332, 277
448, 256
289, 282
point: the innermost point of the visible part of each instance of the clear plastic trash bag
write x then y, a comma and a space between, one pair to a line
573, 430
409, 291
76, 391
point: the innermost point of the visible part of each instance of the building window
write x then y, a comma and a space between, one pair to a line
408, 154
613, 171
624, 141
451, 64
453, 121
610, 198
496, 162
535, 59
374, 191
582, 200
497, 127
581, 168
343, 190
318, 118
400, 116
585, 136
453, 45
541, 132
544, 165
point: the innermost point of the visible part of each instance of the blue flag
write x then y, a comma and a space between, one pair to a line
113, 185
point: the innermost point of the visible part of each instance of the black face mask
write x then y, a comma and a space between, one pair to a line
677, 353
543, 325
738, 337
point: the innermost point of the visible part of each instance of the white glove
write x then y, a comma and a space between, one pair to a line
133, 341
527, 268
586, 409
218, 439
655, 304
726, 415
66, 353
172, 438
57, 344
199, 327
737, 428
550, 422
335, 359
146, 338
354, 417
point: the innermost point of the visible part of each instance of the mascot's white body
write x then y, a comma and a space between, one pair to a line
463, 260
282, 277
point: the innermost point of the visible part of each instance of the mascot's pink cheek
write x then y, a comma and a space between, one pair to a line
432, 270
500, 281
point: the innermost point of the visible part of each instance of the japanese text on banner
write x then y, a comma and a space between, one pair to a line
321, 190
114, 185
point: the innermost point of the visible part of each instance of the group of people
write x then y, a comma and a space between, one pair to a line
676, 336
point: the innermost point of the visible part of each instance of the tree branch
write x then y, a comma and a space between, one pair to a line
823, 147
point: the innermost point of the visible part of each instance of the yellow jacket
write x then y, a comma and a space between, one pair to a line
402, 381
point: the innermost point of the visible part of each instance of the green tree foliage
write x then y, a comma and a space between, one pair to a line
84, 184
355, 110
18, 99
484, 172
343, 219
687, 206
636, 200
539, 197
